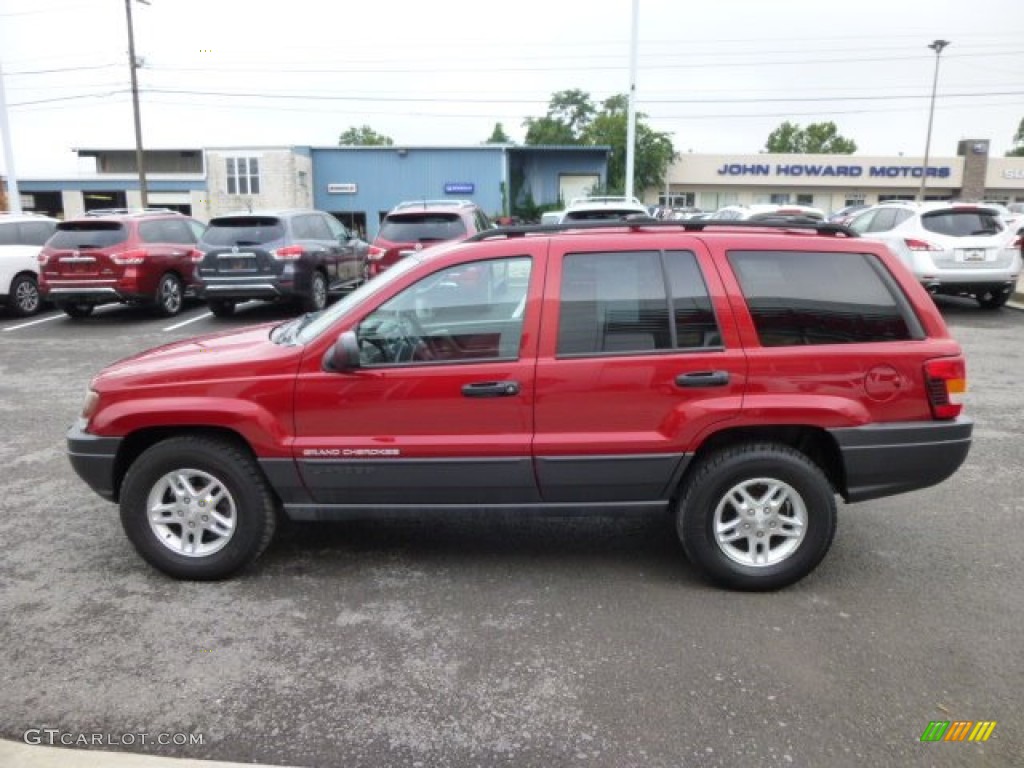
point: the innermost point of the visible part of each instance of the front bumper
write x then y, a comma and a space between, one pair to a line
93, 459
887, 459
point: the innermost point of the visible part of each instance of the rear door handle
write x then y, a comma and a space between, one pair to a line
491, 389
703, 379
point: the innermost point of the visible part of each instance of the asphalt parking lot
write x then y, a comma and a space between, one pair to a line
464, 640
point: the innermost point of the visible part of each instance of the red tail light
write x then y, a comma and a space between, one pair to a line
375, 253
195, 255
946, 381
43, 257
128, 257
288, 253
921, 245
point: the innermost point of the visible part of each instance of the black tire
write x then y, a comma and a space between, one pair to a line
23, 299
992, 299
784, 488
180, 474
78, 310
221, 307
316, 299
170, 295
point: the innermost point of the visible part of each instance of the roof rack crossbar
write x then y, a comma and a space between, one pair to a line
686, 225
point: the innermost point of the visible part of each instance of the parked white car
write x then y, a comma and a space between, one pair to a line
956, 249
21, 238
767, 211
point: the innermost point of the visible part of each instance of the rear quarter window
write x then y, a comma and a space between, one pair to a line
800, 298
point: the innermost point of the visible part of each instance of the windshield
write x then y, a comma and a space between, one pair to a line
247, 230
314, 325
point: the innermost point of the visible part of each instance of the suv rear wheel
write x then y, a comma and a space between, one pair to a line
170, 295
24, 299
992, 299
316, 299
78, 309
221, 307
757, 516
197, 508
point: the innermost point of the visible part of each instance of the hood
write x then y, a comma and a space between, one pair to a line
245, 353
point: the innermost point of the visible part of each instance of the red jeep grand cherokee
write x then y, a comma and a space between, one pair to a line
142, 257
740, 377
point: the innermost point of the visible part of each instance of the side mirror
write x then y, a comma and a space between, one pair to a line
343, 354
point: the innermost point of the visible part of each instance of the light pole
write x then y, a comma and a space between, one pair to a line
937, 46
134, 65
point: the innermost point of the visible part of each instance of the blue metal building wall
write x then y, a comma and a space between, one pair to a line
384, 176
542, 168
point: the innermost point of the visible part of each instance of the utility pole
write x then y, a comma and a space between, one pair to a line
133, 66
936, 46
13, 196
631, 112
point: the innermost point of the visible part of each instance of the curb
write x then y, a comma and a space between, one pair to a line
14, 754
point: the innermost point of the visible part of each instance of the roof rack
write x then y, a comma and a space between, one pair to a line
127, 211
424, 203
687, 225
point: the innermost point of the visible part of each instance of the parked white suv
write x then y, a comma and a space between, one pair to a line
21, 238
763, 211
955, 249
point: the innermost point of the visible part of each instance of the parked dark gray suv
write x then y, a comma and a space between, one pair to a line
298, 255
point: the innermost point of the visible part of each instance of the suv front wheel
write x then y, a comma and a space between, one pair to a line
197, 507
24, 299
756, 516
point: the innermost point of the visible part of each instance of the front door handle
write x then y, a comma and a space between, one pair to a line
703, 379
491, 389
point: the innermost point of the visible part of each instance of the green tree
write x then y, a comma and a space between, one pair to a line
498, 135
653, 154
1018, 142
816, 138
569, 114
364, 136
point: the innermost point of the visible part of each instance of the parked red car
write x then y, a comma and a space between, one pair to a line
138, 257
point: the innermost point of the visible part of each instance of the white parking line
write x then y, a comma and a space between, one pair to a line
34, 322
186, 322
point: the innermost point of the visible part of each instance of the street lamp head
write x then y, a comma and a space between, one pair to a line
938, 45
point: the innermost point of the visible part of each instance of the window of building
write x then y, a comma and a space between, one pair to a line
804, 199
779, 198
614, 303
243, 174
798, 298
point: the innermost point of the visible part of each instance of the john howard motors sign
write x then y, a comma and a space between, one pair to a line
852, 171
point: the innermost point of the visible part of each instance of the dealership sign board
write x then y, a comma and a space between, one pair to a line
851, 171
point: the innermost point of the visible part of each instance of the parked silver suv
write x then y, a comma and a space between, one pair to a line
956, 249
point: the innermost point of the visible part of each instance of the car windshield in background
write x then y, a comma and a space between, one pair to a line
604, 214
88, 234
243, 231
962, 223
421, 228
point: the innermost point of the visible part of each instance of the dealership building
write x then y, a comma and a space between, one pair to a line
360, 184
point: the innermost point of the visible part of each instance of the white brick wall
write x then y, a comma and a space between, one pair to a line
285, 182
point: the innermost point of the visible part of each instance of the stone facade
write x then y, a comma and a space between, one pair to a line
975, 155
285, 181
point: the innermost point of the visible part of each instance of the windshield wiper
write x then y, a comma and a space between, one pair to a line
287, 332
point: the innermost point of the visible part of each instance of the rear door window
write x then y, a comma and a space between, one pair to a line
798, 298
633, 302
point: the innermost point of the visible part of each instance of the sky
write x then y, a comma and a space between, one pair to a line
718, 77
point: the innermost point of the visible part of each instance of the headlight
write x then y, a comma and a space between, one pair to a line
92, 401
